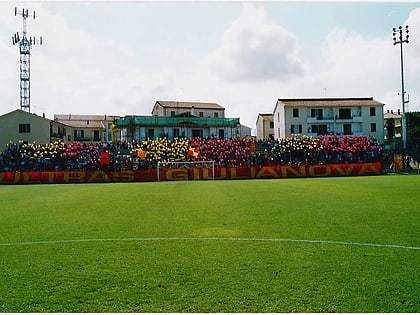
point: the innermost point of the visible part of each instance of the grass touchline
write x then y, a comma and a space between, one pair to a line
208, 239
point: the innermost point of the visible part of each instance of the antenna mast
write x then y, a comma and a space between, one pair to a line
25, 45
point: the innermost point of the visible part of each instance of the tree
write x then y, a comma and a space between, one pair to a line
390, 127
413, 124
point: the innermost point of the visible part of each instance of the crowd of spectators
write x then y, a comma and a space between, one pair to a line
225, 152
56, 155
294, 150
328, 149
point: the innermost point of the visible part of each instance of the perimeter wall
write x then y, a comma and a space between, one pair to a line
150, 175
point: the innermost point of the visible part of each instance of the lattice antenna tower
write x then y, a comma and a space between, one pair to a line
25, 44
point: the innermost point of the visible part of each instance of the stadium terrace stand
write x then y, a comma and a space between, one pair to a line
294, 150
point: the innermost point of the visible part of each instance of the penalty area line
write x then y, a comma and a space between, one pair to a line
235, 239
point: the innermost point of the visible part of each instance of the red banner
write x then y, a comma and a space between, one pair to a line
150, 175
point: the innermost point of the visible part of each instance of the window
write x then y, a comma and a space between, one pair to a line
197, 133
319, 129
96, 135
295, 112
345, 113
172, 113
347, 129
79, 134
296, 129
24, 128
201, 114
372, 127
372, 111
216, 115
317, 113
176, 133
271, 124
151, 133
221, 133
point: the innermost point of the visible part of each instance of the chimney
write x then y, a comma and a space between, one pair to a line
193, 111
387, 111
398, 112
392, 111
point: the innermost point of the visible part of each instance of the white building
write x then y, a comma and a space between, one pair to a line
318, 116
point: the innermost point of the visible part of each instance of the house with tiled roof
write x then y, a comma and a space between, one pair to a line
20, 126
172, 119
86, 128
318, 116
198, 109
265, 126
393, 124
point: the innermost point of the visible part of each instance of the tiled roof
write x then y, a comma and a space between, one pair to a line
84, 121
366, 101
266, 116
175, 104
62, 117
83, 124
392, 115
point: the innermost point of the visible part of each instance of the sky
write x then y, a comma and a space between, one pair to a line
120, 57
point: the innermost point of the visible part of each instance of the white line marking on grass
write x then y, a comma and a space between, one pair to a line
142, 239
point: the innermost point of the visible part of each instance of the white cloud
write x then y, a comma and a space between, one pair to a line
355, 65
254, 49
257, 62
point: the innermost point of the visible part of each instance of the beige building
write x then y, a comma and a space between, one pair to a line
172, 119
198, 109
19, 125
265, 126
86, 128
318, 116
396, 118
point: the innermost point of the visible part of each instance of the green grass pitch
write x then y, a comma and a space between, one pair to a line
345, 244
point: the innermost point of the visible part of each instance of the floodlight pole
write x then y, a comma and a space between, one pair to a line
25, 45
400, 40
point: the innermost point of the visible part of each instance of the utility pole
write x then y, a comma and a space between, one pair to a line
25, 45
399, 39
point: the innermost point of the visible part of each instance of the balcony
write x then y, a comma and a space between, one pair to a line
91, 139
354, 119
318, 120
56, 135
